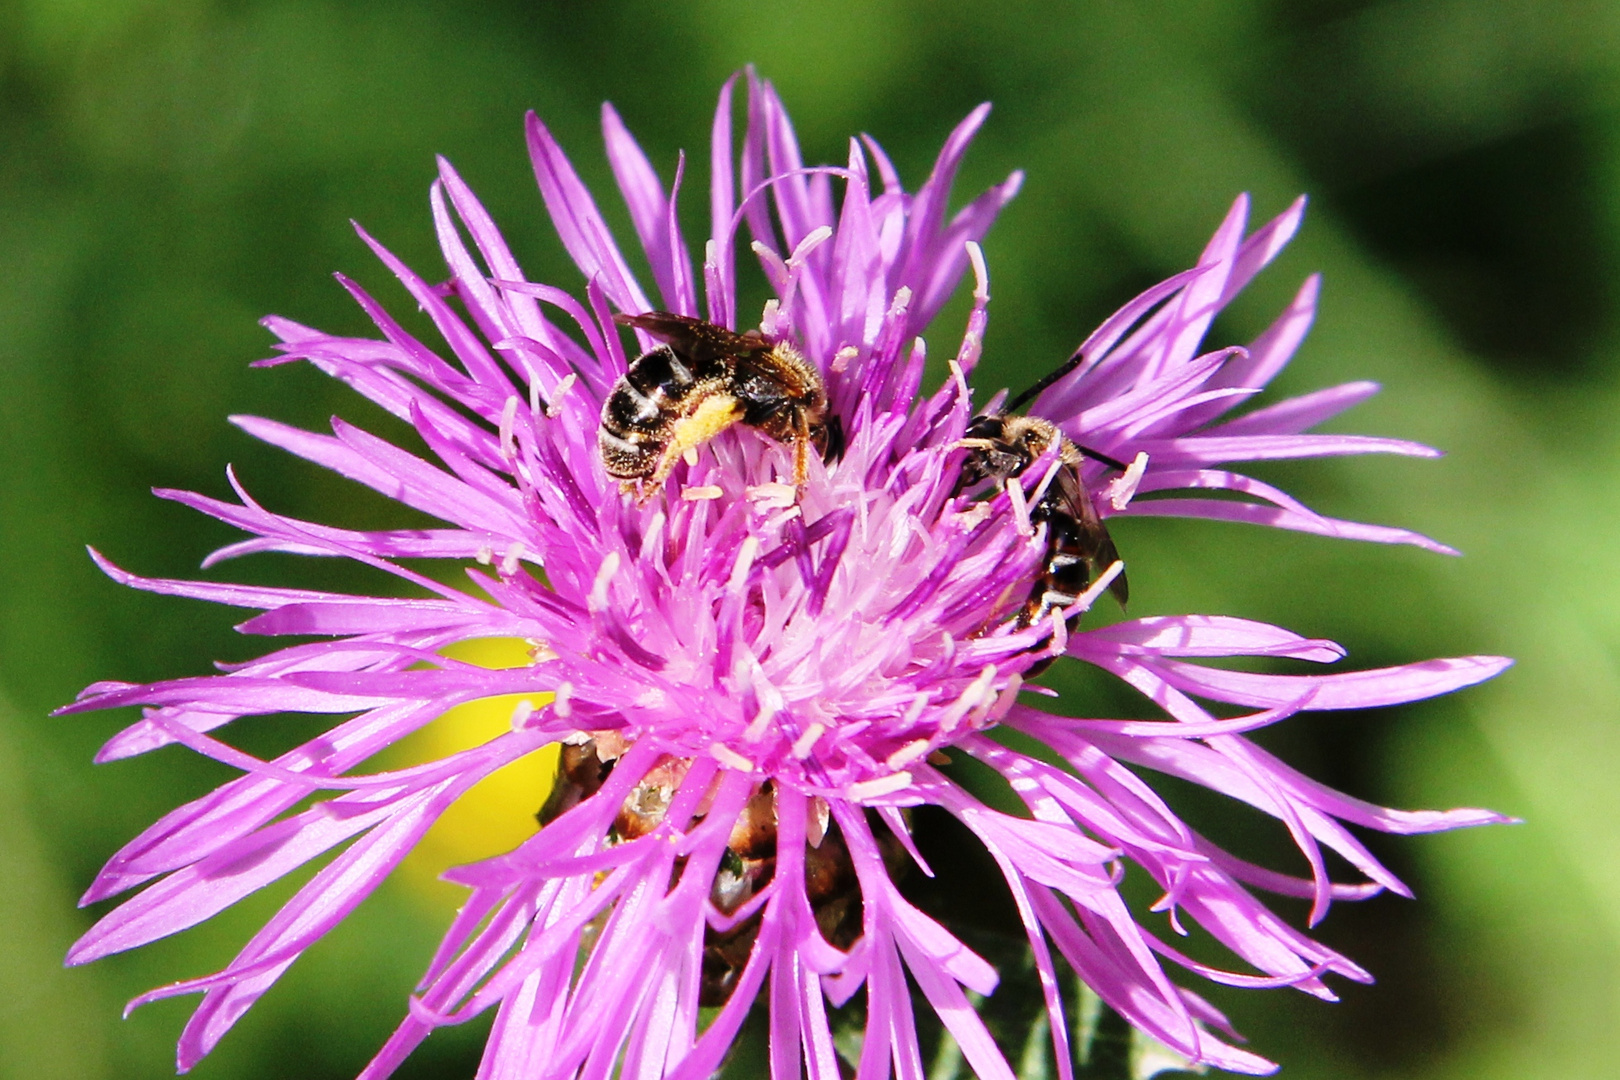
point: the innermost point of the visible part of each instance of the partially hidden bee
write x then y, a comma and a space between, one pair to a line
746, 866
1078, 548
702, 380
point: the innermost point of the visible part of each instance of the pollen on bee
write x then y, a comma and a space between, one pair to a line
712, 416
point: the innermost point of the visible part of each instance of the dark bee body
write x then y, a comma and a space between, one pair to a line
746, 866
705, 378
1078, 547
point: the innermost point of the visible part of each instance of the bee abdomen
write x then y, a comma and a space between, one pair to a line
629, 455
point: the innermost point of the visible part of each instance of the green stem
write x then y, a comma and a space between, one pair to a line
1108, 1054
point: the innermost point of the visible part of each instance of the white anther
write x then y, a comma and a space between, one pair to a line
771, 317
975, 513
907, 753
1060, 633
530, 381
728, 757
485, 555
981, 276
1084, 601
1020, 507
757, 727
776, 271
690, 456
563, 700
557, 395
774, 492
1123, 487
521, 713
1004, 701
1046, 481
744, 563
598, 599
654, 533
700, 494
883, 785
971, 698
509, 561
508, 428
812, 240
770, 700
914, 710
805, 743
820, 816
841, 359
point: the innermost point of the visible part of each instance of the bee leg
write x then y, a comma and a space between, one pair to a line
801, 452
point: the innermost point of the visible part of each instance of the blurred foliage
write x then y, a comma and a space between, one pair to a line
170, 170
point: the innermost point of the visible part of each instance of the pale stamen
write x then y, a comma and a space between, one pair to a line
1123, 487
598, 600
563, 387
883, 785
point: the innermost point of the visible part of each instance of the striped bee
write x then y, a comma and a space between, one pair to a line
702, 380
1078, 547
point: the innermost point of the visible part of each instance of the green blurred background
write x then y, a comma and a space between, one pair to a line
170, 170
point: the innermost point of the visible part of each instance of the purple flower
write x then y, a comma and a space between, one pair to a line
753, 680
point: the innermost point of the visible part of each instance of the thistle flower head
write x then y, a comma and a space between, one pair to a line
755, 673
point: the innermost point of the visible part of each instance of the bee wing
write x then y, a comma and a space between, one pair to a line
1096, 546
694, 337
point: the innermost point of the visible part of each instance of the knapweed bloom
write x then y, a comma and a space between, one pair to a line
753, 679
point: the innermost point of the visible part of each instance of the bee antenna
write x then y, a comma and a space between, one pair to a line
1029, 395
1098, 455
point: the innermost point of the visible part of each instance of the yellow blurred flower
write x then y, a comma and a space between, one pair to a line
498, 813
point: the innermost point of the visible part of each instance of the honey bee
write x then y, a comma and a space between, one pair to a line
1078, 547
746, 866
705, 378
